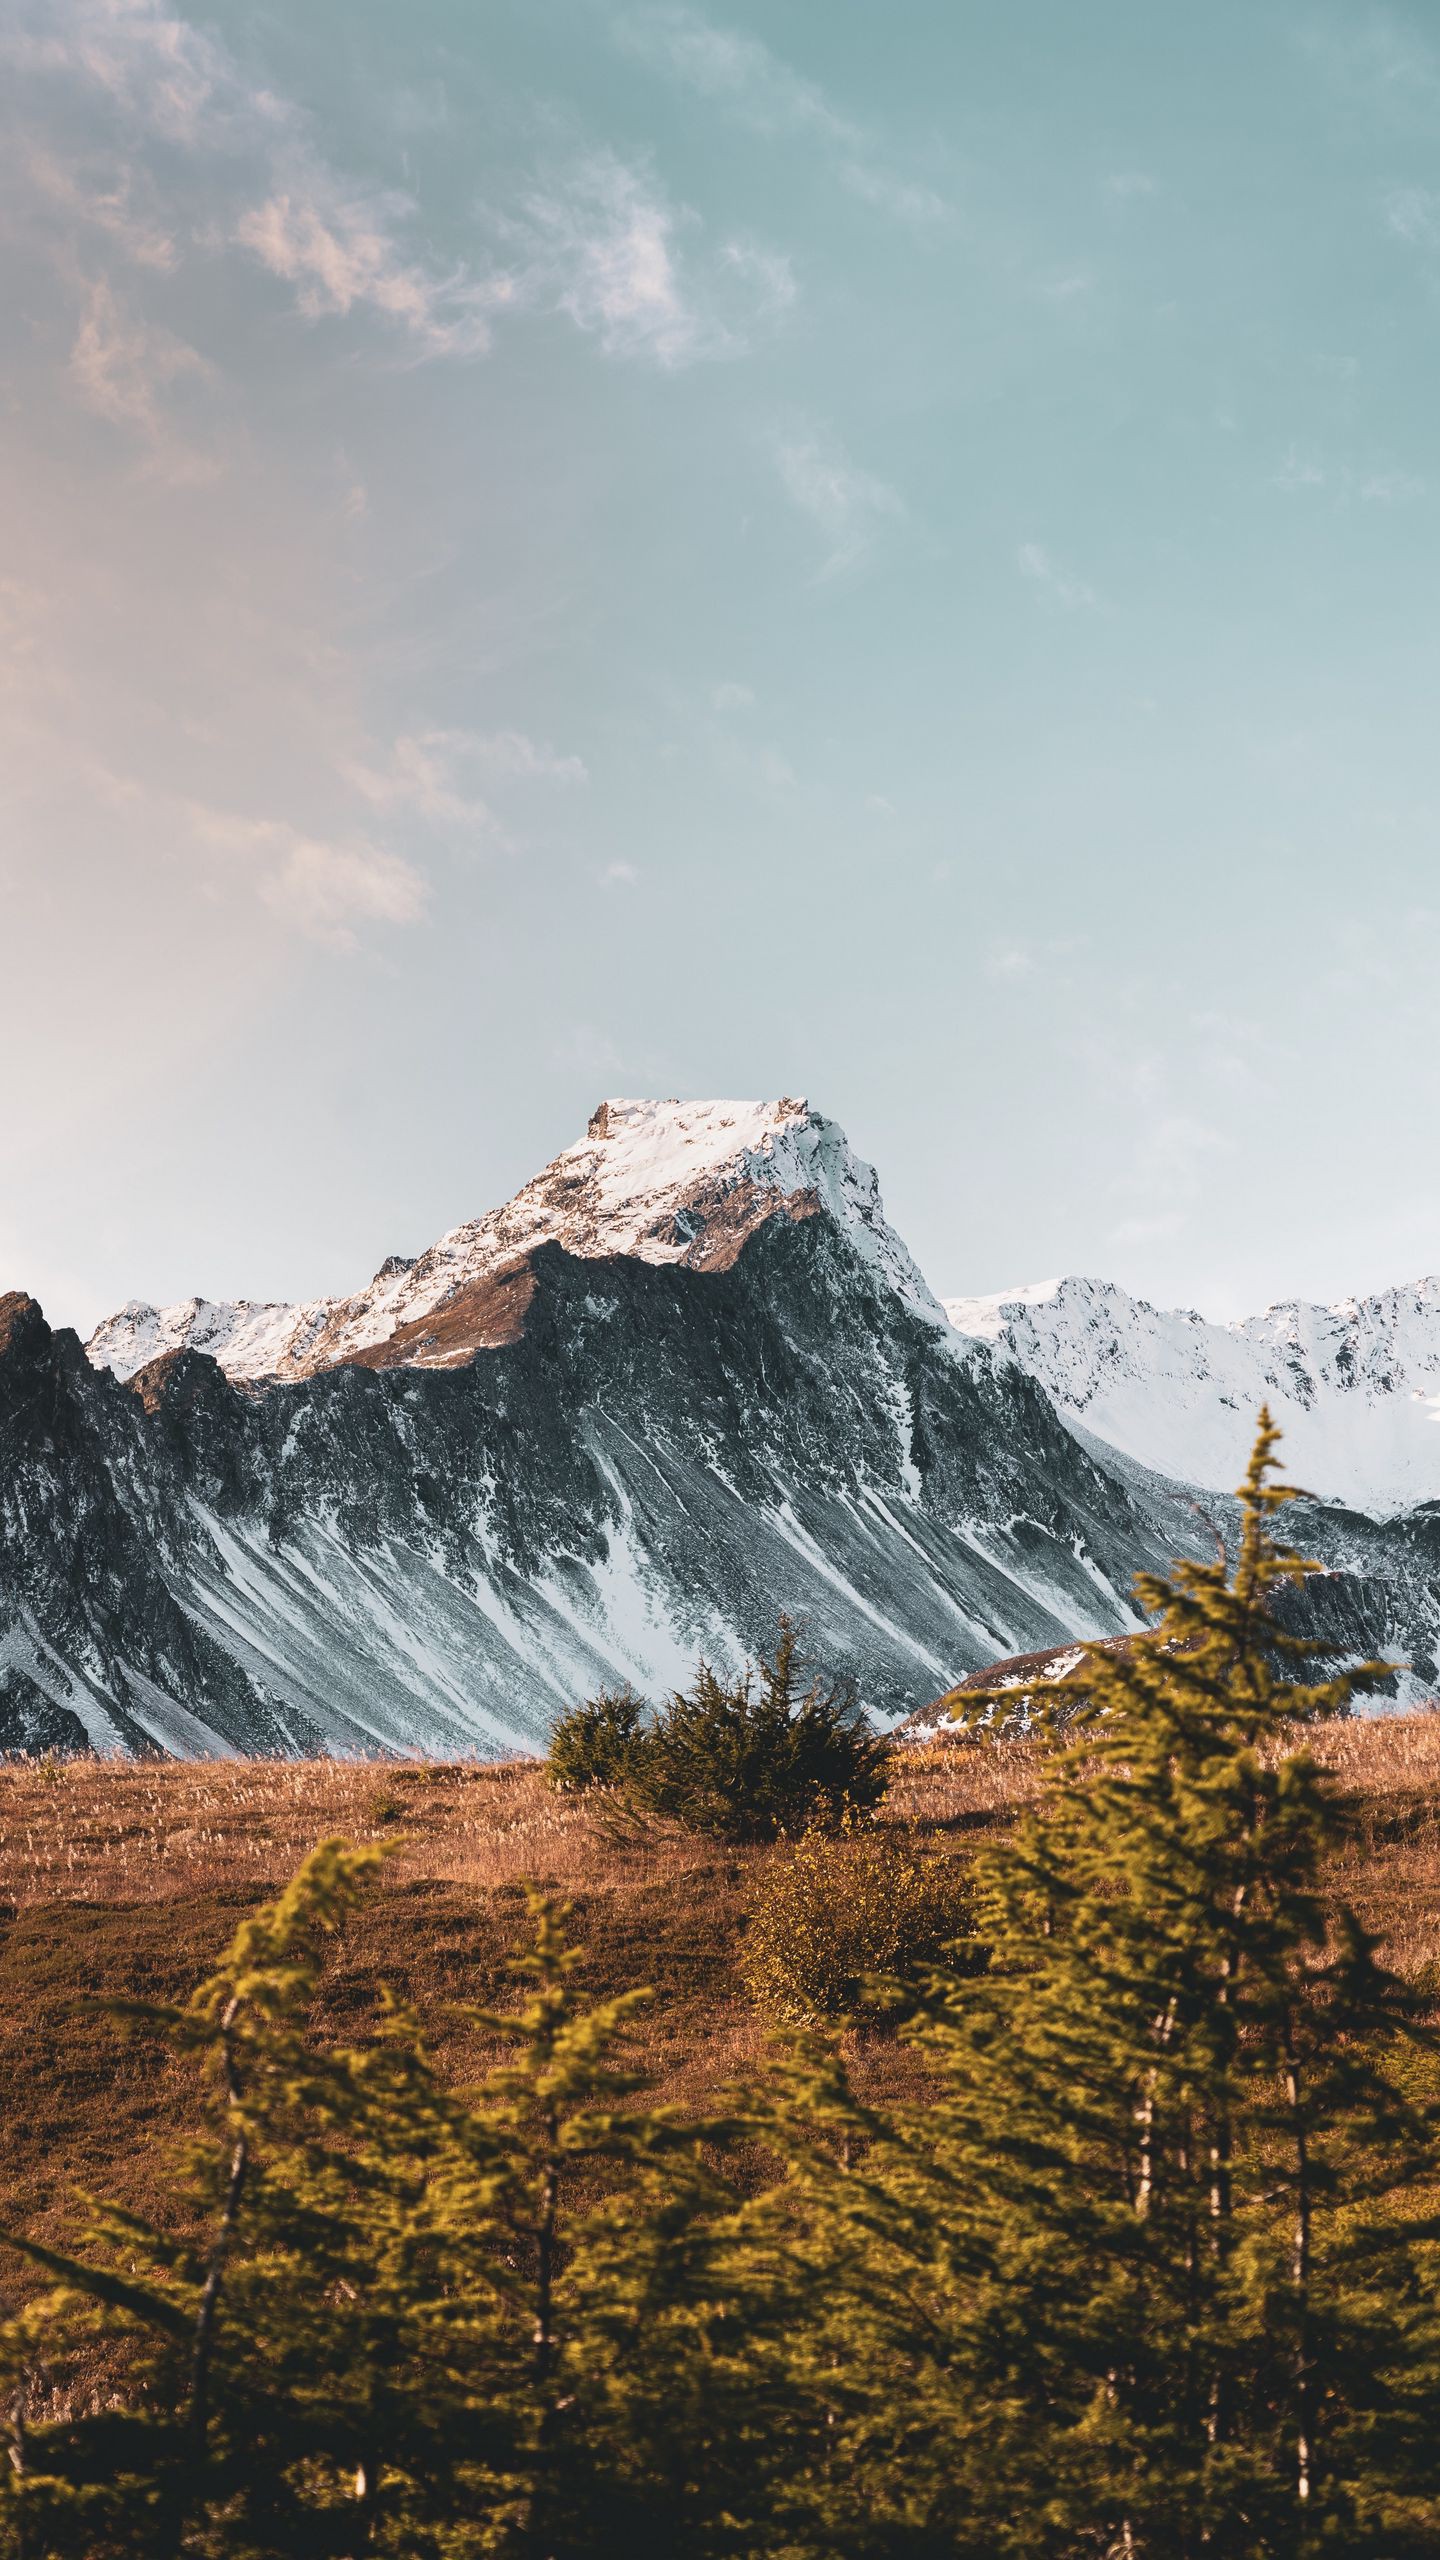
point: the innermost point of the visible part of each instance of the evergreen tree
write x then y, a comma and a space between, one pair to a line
402, 2319
597, 1743
750, 1758
1148, 2274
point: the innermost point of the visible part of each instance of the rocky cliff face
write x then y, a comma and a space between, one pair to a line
687, 1379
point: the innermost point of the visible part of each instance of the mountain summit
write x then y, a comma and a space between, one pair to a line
666, 1182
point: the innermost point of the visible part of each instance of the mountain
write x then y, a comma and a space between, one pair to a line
687, 1378
670, 1182
1355, 1386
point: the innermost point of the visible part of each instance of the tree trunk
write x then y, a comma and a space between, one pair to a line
215, 2272
1300, 2278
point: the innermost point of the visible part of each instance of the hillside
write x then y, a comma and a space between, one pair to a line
121, 1880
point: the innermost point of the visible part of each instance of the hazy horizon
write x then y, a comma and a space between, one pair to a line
666, 550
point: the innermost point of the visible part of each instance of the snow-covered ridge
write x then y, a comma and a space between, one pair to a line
668, 1181
1354, 1386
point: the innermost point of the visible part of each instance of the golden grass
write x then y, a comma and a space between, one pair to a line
126, 1879
126, 1832
1389, 1770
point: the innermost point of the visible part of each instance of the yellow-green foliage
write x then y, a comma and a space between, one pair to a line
830, 1909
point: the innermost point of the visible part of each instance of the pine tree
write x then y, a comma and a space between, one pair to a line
598, 1742
1147, 2274
750, 1758
403, 2319
301, 2355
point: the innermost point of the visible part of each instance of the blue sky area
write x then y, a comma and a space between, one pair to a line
555, 549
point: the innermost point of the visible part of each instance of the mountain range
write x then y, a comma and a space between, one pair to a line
688, 1377
1354, 1386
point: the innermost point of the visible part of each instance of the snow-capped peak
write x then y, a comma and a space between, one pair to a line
248, 1333
986, 1319
669, 1181
1355, 1385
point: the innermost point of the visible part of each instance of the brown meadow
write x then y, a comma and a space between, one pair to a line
124, 1880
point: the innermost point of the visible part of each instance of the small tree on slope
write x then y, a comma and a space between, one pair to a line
754, 1757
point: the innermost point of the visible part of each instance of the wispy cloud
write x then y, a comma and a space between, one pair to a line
1392, 488
157, 69
117, 201
765, 278
606, 246
1056, 957
1413, 214
1300, 469
424, 774
905, 199
126, 368
722, 62
1043, 570
509, 751
326, 889
762, 91
340, 254
436, 772
610, 246
269, 190
1373, 53
848, 504
203, 161
322, 887
1303, 470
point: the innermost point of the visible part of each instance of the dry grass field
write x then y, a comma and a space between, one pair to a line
126, 1879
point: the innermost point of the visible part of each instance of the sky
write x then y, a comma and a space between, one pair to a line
556, 549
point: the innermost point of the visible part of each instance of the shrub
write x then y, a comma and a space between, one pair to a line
754, 1757
828, 1910
598, 1743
